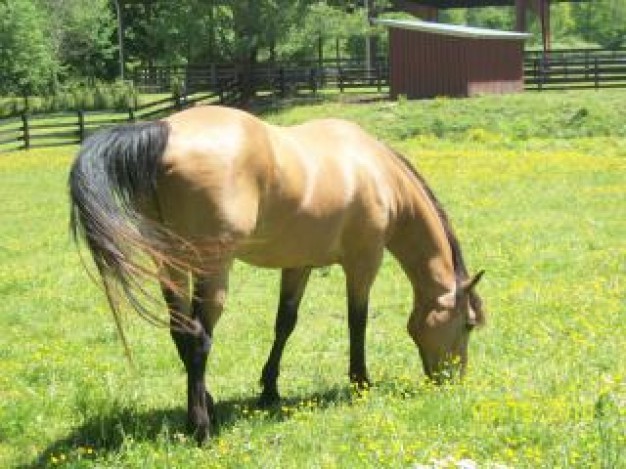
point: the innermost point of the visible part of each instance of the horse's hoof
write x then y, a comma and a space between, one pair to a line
268, 399
360, 385
198, 426
201, 434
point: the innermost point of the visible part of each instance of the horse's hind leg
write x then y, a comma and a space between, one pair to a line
176, 293
292, 285
175, 289
192, 337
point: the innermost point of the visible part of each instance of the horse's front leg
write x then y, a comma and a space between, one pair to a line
292, 285
360, 275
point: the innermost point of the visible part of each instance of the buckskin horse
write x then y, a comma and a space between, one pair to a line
211, 184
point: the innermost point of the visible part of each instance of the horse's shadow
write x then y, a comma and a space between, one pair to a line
107, 432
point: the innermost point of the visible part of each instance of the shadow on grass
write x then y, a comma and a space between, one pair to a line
107, 432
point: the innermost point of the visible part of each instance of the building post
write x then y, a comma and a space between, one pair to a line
521, 7
544, 11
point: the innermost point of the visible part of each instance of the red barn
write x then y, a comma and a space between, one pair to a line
431, 59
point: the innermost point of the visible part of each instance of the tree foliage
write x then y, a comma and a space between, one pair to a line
595, 22
27, 59
43, 42
81, 37
602, 21
322, 29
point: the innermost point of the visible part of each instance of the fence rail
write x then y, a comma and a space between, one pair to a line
575, 69
47, 130
278, 78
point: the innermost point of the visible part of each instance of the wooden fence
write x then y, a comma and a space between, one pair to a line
211, 86
575, 69
562, 69
48, 130
279, 79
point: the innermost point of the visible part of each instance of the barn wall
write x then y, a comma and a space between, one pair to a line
495, 66
425, 65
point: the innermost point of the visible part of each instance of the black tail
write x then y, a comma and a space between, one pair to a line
116, 171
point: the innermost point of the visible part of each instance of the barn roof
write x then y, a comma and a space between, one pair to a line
451, 29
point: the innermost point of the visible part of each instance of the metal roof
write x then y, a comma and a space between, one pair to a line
450, 29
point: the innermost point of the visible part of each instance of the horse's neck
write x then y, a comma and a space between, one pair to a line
421, 246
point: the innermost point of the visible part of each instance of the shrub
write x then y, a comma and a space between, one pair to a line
101, 97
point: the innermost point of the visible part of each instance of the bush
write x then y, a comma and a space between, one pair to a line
101, 97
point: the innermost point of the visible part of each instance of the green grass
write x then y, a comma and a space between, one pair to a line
537, 198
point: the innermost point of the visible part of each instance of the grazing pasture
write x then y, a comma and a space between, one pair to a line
535, 186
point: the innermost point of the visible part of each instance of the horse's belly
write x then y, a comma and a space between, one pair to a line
299, 244
284, 260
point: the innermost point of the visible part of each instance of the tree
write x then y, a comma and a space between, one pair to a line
492, 17
258, 26
186, 32
602, 21
322, 28
81, 37
28, 63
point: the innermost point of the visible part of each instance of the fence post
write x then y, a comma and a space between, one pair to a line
131, 115
313, 80
25, 131
379, 76
596, 72
81, 125
177, 100
281, 82
213, 76
340, 71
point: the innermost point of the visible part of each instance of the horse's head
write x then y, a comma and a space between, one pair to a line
441, 330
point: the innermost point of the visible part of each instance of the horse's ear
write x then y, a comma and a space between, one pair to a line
468, 285
449, 300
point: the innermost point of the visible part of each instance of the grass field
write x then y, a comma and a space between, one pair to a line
535, 186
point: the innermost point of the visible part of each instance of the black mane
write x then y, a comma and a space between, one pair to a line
460, 270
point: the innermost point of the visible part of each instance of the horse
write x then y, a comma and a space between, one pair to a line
206, 186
